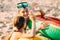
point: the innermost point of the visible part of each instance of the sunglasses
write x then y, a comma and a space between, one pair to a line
22, 5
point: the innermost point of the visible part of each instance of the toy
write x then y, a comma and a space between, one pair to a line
22, 4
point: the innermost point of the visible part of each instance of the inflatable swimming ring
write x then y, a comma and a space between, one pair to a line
51, 31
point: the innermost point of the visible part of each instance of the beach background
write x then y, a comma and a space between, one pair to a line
8, 10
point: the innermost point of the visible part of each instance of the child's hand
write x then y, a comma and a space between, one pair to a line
31, 16
44, 24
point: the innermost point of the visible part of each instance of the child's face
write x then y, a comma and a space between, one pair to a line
24, 13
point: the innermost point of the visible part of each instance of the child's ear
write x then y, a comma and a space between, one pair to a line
18, 11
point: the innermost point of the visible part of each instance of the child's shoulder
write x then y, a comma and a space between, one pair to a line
15, 35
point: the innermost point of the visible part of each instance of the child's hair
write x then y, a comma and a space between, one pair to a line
19, 22
42, 13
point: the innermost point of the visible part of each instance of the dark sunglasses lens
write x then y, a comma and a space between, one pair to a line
25, 4
19, 5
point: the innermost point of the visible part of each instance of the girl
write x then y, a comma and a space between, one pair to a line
20, 23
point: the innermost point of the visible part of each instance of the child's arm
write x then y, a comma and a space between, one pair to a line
14, 36
32, 32
8, 36
42, 26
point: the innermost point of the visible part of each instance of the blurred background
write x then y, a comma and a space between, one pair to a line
8, 10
